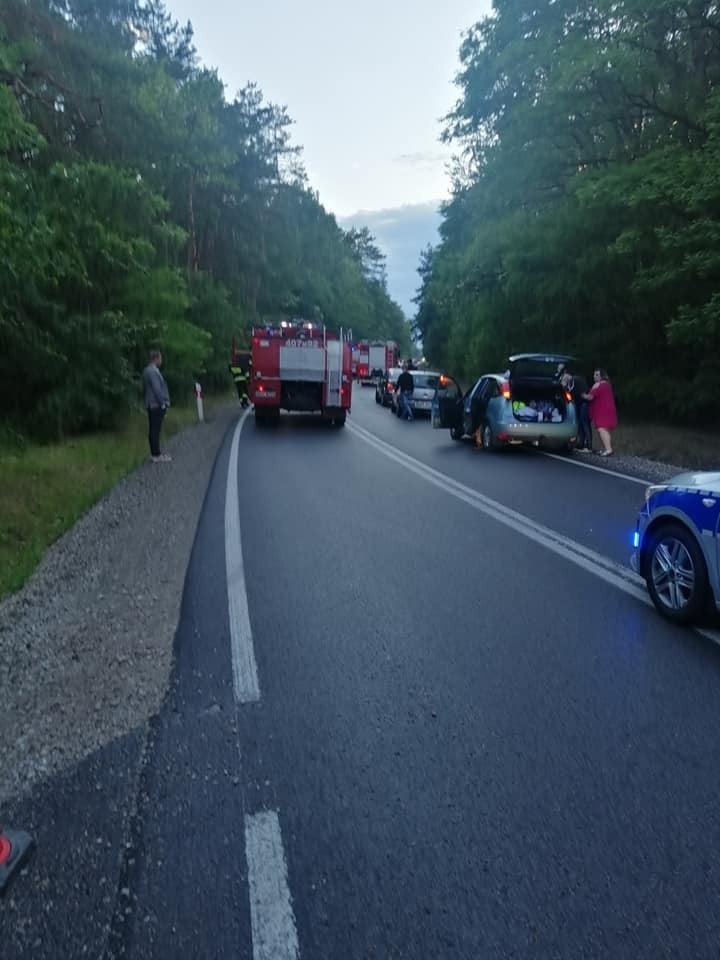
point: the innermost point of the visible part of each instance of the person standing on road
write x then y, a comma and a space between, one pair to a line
405, 387
157, 401
576, 385
601, 401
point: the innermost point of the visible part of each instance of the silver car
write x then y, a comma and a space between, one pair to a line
425, 383
525, 405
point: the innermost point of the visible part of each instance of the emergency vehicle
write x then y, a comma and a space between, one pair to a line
300, 366
362, 358
374, 358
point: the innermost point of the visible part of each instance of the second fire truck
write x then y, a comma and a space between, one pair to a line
374, 358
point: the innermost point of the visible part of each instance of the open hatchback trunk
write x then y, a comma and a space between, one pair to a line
534, 389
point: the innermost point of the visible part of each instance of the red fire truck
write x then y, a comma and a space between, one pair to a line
300, 366
374, 357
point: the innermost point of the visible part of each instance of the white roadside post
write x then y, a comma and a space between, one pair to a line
199, 401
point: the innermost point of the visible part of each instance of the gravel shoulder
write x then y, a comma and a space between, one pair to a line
640, 467
86, 646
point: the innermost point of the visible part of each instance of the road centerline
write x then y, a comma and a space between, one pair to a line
623, 578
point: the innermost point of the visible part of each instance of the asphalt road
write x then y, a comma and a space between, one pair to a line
469, 738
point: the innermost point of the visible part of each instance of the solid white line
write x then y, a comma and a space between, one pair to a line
271, 914
591, 466
245, 679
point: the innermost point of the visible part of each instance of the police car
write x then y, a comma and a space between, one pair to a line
677, 545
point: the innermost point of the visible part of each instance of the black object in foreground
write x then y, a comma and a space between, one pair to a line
15, 847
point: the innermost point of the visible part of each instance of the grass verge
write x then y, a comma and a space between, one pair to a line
44, 489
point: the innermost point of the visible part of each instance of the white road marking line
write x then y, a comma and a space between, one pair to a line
245, 679
591, 466
603, 567
606, 569
713, 635
274, 934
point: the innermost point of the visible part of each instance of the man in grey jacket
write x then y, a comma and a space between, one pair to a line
157, 400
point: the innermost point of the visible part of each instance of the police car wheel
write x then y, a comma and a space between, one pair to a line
675, 573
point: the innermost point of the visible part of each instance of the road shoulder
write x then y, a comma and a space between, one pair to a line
86, 646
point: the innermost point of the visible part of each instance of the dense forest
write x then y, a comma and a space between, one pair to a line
142, 207
585, 213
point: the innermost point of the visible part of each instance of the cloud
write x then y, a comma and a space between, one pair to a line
421, 158
401, 233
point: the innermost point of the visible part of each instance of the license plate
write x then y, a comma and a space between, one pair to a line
423, 404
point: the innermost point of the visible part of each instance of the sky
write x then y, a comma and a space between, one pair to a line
366, 84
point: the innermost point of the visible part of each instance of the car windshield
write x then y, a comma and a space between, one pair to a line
426, 380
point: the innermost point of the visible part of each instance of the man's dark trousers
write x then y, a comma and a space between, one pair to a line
155, 419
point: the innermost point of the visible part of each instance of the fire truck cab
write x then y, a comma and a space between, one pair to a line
299, 366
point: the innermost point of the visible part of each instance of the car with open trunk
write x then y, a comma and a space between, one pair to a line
526, 404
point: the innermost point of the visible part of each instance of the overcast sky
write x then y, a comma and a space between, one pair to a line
365, 82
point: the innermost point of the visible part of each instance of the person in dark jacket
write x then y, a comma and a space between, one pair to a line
157, 401
576, 385
405, 386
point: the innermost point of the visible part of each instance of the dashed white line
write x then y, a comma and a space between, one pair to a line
274, 934
245, 678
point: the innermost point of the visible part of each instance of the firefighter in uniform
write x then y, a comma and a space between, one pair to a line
240, 370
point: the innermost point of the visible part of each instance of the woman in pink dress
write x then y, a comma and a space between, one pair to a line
602, 409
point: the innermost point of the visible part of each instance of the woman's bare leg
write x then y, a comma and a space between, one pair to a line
605, 439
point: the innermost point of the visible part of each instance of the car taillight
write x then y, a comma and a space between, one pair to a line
261, 388
505, 389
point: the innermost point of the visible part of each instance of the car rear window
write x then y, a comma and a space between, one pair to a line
426, 380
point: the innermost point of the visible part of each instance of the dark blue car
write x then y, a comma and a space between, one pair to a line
677, 545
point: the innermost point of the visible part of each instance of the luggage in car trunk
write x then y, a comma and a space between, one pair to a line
535, 390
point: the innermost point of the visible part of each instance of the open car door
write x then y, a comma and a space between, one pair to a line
447, 404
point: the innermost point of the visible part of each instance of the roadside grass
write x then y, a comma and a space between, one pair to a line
679, 446
45, 489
